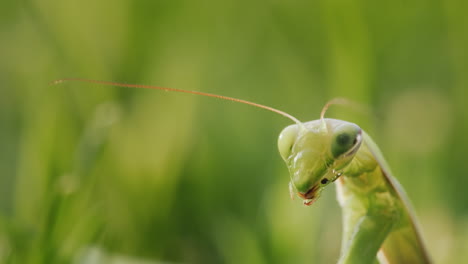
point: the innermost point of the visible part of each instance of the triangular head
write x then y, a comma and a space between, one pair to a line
315, 152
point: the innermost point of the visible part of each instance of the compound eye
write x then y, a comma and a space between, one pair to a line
346, 137
343, 139
286, 140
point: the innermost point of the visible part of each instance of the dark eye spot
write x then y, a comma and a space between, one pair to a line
343, 139
324, 181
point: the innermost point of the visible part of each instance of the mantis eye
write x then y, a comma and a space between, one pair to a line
286, 141
343, 139
346, 137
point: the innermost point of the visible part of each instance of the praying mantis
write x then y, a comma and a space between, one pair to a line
378, 221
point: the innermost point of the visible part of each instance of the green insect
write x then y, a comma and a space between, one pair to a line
377, 216
378, 221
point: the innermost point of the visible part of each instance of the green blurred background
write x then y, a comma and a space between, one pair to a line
99, 174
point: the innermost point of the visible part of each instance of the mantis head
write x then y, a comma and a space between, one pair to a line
316, 152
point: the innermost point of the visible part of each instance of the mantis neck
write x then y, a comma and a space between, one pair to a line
363, 174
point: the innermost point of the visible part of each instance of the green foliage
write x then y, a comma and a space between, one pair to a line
94, 174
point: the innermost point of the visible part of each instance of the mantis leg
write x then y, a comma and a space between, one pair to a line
366, 238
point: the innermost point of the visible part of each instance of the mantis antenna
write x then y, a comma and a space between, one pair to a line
181, 91
340, 101
334, 101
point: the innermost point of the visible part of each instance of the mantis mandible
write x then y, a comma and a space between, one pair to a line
378, 220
